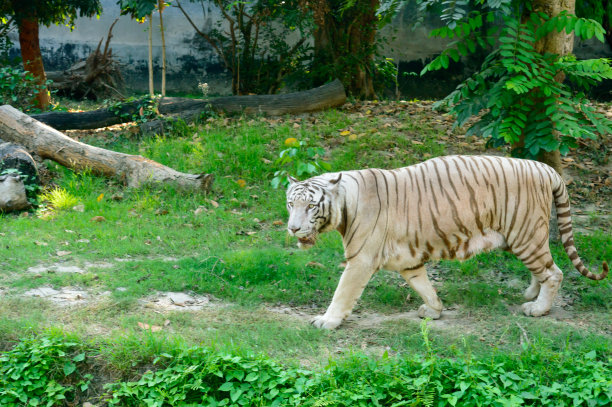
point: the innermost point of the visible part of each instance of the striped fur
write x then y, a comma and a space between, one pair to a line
445, 208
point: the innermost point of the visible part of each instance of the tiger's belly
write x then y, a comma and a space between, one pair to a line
403, 254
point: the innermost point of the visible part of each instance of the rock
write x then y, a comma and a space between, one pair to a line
12, 193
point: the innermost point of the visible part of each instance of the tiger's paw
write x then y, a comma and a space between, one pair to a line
425, 311
534, 309
325, 322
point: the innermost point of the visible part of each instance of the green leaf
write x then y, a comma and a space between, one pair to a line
227, 386
79, 358
235, 394
325, 165
251, 377
69, 368
444, 60
578, 27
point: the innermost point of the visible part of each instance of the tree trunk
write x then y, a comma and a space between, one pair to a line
344, 45
50, 143
323, 97
32, 59
559, 43
150, 60
163, 42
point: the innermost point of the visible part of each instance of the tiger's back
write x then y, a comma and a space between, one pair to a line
448, 207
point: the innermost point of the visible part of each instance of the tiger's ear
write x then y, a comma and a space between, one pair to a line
334, 182
291, 180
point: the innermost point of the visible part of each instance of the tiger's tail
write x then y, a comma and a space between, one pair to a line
564, 221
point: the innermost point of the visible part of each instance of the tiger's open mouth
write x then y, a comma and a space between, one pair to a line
306, 241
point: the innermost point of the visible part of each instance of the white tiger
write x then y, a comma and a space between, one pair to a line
445, 208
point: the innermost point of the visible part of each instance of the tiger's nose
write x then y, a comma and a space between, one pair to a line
293, 230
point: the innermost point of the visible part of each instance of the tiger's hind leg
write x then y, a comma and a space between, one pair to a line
418, 280
546, 278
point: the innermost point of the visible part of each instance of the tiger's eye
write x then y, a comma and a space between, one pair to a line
311, 206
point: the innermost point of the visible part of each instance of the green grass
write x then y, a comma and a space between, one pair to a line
156, 239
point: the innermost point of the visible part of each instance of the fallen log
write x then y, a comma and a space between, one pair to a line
93, 119
52, 144
329, 95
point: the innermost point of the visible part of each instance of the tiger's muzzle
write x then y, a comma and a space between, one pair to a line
306, 239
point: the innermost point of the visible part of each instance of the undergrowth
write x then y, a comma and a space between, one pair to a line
52, 370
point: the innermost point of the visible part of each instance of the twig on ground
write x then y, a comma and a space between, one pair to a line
523, 338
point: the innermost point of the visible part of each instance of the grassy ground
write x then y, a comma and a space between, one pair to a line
250, 288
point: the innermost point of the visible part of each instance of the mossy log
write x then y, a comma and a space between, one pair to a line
324, 97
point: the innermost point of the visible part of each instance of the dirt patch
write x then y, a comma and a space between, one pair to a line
365, 320
55, 268
62, 267
68, 268
99, 265
166, 259
179, 301
64, 297
450, 317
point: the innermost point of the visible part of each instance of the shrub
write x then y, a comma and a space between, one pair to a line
199, 376
18, 88
41, 371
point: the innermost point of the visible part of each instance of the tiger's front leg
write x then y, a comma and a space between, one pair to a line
354, 279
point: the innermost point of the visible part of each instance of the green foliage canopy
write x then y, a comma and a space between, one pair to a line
49, 12
137, 9
517, 88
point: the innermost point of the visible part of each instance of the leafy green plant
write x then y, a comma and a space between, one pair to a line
48, 370
386, 74
204, 377
41, 371
600, 11
299, 160
60, 199
517, 90
18, 88
139, 110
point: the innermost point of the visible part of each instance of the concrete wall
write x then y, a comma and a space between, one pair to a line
191, 60
188, 62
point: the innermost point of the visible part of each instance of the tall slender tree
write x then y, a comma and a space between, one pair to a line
140, 10
28, 15
161, 5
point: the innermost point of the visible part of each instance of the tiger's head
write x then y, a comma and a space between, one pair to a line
313, 207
